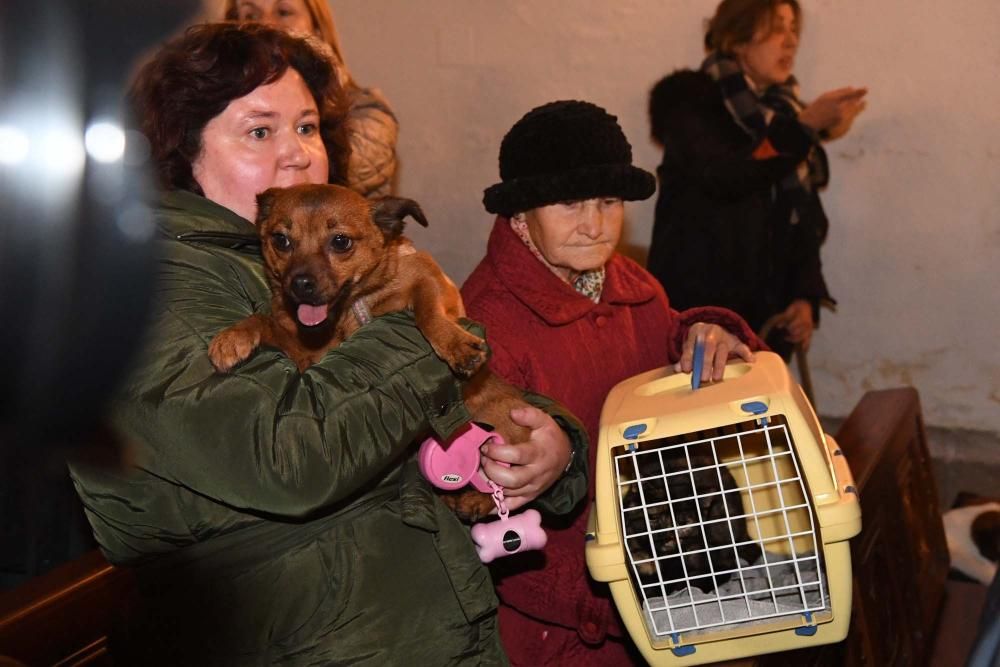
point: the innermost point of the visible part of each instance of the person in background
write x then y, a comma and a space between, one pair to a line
372, 128
568, 316
272, 516
738, 220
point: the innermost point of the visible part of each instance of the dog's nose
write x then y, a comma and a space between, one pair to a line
303, 286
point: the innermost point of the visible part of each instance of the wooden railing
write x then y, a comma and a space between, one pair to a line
64, 617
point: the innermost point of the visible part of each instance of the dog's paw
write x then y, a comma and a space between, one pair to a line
469, 505
231, 347
465, 353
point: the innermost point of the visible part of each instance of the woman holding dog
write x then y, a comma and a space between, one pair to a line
569, 317
274, 516
372, 129
742, 165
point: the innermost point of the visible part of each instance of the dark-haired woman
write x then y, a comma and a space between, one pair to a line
738, 220
372, 128
271, 516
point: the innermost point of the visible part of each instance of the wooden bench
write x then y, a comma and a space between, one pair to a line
900, 559
900, 562
64, 617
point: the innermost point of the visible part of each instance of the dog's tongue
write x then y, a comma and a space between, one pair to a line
311, 315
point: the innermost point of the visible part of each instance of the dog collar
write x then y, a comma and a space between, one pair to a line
361, 312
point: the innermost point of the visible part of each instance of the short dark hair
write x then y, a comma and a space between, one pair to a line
194, 77
736, 21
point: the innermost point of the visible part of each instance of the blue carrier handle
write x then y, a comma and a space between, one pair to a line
697, 363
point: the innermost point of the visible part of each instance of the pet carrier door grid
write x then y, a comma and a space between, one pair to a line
720, 530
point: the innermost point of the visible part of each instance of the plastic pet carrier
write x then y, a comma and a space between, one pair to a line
722, 515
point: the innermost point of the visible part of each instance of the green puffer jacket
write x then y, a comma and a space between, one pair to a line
275, 517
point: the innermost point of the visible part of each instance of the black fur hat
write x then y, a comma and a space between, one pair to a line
565, 151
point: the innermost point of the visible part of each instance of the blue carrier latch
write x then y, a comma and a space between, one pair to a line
807, 630
681, 651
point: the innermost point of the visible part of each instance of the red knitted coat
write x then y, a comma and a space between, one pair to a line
546, 337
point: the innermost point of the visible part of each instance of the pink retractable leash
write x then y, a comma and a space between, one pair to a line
456, 464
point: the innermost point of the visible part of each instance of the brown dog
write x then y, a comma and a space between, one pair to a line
334, 260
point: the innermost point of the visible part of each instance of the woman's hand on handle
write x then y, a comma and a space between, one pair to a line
719, 345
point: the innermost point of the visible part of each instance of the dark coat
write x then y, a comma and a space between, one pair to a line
549, 338
278, 517
722, 234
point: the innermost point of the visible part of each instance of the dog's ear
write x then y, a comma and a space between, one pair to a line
389, 213
265, 202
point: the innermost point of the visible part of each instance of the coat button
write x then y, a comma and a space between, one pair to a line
601, 320
590, 633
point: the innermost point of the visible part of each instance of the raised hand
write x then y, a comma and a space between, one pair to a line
834, 111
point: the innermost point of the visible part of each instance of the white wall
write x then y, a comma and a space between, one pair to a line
914, 247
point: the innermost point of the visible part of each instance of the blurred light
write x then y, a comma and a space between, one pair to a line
136, 223
61, 152
14, 145
105, 142
136, 148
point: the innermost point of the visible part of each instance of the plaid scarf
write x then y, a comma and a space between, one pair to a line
589, 283
754, 113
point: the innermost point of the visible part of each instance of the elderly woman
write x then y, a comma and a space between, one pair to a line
371, 126
568, 316
742, 163
272, 516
